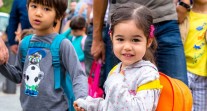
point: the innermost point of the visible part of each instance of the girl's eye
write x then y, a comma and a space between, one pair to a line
120, 39
135, 40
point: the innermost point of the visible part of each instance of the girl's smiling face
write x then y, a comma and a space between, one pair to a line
129, 42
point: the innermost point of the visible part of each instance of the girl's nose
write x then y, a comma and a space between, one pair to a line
127, 46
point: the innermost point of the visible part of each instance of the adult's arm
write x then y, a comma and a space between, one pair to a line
13, 25
98, 47
181, 11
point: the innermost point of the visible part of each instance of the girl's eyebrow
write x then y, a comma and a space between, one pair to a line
132, 36
137, 36
119, 36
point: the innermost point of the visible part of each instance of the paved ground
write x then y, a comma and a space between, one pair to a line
9, 102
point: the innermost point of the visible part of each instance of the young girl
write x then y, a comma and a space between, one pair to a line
127, 86
77, 35
194, 36
36, 73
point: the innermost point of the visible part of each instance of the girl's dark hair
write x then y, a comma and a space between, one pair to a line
78, 23
59, 5
143, 19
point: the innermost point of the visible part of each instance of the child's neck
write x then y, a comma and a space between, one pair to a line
84, 34
44, 32
200, 8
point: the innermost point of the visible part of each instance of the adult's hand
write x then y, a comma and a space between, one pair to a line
98, 46
4, 53
182, 13
14, 48
98, 50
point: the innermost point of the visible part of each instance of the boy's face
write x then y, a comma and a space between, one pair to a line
77, 32
41, 18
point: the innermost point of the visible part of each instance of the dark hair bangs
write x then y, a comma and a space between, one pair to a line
48, 3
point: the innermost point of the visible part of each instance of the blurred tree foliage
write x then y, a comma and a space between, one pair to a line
7, 6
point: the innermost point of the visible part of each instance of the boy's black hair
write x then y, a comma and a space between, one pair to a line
78, 23
59, 5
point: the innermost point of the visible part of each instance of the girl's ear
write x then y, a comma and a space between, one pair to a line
110, 33
84, 29
149, 42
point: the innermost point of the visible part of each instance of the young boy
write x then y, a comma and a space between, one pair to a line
36, 73
77, 35
194, 36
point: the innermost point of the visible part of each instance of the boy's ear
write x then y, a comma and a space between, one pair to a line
149, 42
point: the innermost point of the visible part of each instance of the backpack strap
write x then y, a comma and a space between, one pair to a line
26, 44
55, 49
150, 85
24, 47
39, 45
67, 34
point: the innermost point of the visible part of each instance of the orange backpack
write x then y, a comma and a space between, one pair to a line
175, 95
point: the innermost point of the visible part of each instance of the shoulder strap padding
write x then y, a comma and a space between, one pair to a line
150, 85
55, 49
24, 46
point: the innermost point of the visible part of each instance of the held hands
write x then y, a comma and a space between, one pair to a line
80, 105
4, 53
77, 108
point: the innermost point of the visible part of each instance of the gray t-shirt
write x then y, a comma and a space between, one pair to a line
162, 10
37, 76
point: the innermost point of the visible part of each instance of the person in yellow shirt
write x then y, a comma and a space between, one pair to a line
193, 33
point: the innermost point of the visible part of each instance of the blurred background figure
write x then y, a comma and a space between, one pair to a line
69, 14
76, 33
71, 10
79, 10
1, 3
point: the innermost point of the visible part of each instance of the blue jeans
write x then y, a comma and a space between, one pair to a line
170, 56
110, 60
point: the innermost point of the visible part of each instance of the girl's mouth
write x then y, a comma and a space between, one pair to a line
127, 55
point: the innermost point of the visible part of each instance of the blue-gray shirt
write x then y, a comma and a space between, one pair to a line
37, 77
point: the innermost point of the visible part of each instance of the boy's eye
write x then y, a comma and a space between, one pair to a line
33, 6
46, 9
135, 40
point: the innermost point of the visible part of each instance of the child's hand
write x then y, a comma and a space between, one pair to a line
4, 55
77, 108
